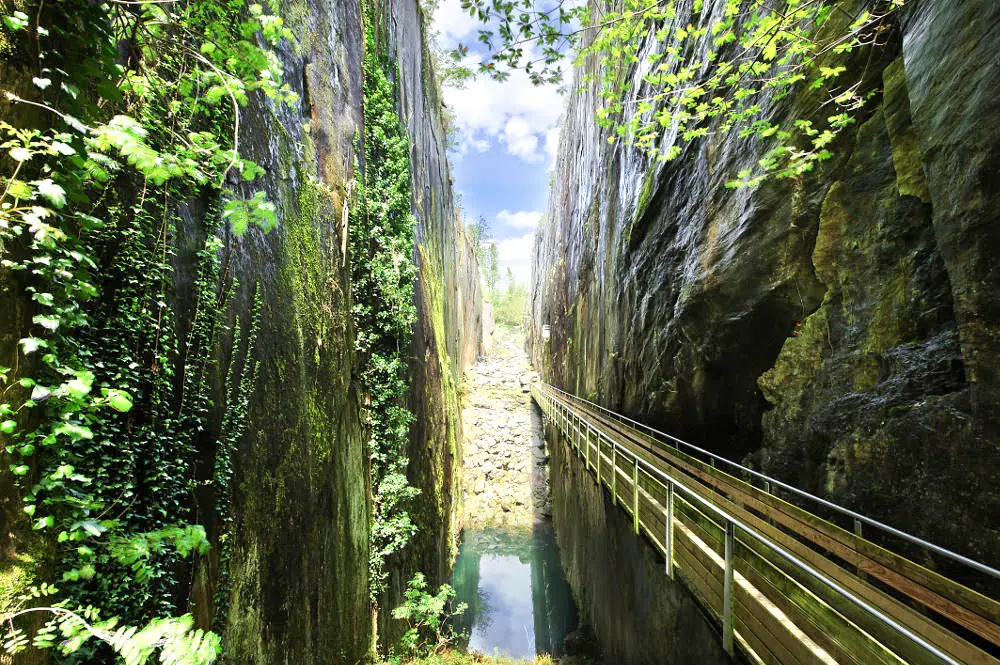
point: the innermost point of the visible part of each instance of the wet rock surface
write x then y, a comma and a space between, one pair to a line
505, 472
838, 331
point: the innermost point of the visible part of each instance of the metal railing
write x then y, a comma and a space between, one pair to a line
774, 482
576, 423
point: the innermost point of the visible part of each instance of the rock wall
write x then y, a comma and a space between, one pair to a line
299, 564
293, 573
617, 577
839, 330
448, 335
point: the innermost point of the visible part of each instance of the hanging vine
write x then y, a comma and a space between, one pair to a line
132, 109
382, 274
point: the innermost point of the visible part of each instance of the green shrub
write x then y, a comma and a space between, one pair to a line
427, 617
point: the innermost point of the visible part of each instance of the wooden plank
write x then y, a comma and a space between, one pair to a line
780, 625
708, 585
784, 639
947, 597
908, 650
759, 646
747, 620
827, 627
932, 631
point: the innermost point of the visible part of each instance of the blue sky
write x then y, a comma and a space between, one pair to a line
507, 138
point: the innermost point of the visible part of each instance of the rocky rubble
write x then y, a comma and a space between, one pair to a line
505, 464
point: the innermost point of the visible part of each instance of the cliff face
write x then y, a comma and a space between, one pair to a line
448, 333
838, 331
289, 581
329, 511
298, 567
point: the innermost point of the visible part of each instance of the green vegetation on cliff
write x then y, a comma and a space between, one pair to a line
382, 274
702, 69
125, 113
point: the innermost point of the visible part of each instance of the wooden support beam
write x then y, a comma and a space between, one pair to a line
727, 590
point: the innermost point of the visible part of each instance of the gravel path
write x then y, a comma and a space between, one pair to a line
505, 468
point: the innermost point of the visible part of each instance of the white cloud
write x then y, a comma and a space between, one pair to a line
521, 141
453, 22
515, 253
519, 220
514, 113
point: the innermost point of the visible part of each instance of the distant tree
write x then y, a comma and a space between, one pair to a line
479, 232
510, 307
491, 270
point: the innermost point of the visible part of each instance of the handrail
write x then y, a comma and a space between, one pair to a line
672, 483
916, 540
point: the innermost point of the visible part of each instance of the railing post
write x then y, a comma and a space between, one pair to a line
668, 534
599, 461
587, 456
614, 473
635, 493
728, 597
857, 532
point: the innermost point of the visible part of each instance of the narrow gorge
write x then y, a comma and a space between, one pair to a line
441, 332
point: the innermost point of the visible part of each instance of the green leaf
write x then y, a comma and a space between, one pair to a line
93, 527
8, 426
120, 400
16, 21
52, 192
47, 322
31, 344
42, 83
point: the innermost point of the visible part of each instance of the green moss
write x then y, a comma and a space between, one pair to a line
17, 574
800, 358
906, 157
886, 327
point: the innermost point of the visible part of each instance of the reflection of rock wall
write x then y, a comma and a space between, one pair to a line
551, 597
638, 615
844, 327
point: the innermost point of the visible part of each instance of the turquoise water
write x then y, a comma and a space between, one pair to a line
519, 603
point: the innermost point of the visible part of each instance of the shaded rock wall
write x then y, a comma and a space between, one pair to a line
839, 331
299, 564
618, 579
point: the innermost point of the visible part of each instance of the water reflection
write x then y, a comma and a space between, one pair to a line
519, 604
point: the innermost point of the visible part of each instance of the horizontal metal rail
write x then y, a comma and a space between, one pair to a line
864, 519
558, 405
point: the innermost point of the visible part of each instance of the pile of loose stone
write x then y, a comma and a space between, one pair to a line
505, 471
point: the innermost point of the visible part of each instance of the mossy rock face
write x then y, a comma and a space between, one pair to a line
823, 328
295, 584
447, 336
298, 571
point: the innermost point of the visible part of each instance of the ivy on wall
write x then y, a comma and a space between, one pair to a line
382, 274
132, 110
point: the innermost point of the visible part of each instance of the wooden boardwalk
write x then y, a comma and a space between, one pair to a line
783, 584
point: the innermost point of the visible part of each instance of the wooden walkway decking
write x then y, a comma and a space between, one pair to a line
783, 584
